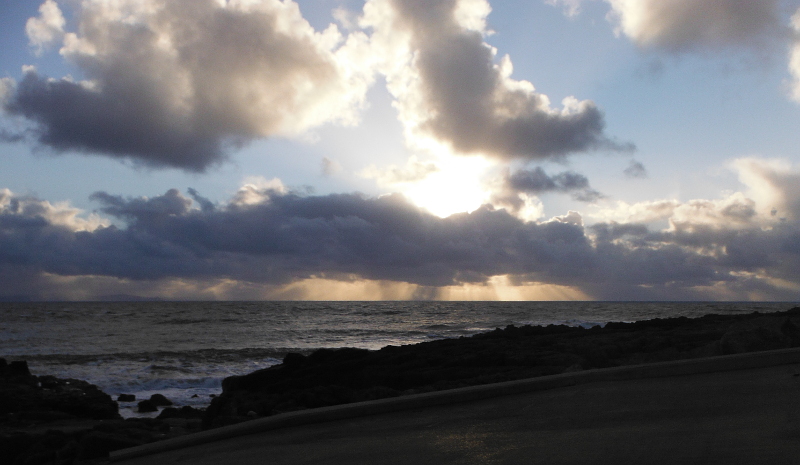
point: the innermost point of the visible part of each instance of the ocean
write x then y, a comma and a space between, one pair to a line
184, 349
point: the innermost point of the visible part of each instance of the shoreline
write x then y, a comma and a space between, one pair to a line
302, 384
747, 415
472, 394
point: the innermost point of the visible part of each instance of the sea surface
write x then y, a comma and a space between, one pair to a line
184, 349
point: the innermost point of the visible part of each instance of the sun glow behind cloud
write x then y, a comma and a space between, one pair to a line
457, 186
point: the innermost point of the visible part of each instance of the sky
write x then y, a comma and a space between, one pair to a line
400, 149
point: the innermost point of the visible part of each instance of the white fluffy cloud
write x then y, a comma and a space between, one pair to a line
771, 195
59, 214
683, 25
451, 91
773, 184
178, 82
679, 25
794, 57
48, 28
172, 82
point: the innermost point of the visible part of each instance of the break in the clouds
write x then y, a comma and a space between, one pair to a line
413, 171
726, 248
172, 83
452, 91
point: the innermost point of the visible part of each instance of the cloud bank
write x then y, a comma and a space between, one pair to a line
734, 247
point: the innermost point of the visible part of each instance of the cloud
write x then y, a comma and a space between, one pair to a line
516, 187
58, 215
413, 172
288, 237
571, 7
684, 25
732, 247
773, 184
450, 91
690, 25
180, 83
635, 170
48, 28
11, 137
174, 83
330, 167
794, 58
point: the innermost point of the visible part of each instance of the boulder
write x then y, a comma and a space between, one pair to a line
147, 406
160, 401
126, 398
22, 392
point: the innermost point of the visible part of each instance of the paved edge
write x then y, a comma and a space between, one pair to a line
471, 393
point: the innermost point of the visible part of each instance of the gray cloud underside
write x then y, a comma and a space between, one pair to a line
180, 85
128, 124
635, 170
177, 82
288, 237
537, 181
470, 105
685, 25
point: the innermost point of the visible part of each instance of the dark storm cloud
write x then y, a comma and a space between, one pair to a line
289, 237
537, 182
470, 103
127, 124
284, 237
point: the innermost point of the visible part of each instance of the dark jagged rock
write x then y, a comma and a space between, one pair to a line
126, 398
46, 420
21, 392
330, 377
146, 406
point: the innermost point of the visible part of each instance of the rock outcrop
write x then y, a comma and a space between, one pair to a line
48, 420
329, 377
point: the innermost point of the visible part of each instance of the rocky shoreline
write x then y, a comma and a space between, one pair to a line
46, 420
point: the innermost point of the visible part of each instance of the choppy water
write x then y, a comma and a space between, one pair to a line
184, 349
